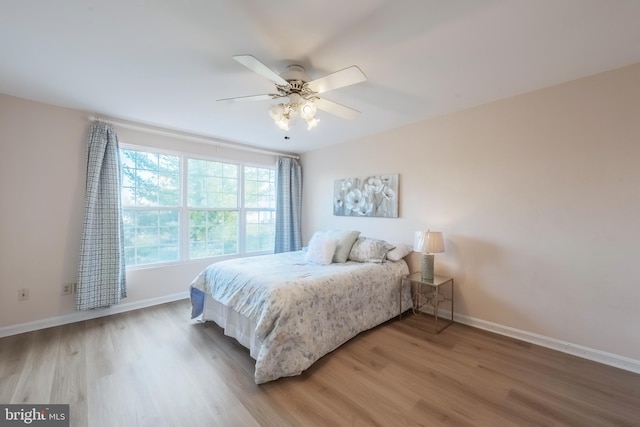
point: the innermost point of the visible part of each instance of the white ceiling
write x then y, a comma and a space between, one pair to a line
165, 62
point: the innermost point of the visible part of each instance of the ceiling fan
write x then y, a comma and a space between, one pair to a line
294, 84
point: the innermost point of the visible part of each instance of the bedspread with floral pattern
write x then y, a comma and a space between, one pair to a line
303, 311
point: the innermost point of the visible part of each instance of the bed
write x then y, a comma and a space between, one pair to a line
289, 312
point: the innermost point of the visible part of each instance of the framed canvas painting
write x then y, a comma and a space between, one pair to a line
371, 196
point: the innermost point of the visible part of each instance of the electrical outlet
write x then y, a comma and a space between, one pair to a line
68, 288
23, 294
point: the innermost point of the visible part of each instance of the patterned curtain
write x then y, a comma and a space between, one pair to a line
101, 273
288, 205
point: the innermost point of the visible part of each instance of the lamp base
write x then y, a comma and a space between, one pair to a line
426, 267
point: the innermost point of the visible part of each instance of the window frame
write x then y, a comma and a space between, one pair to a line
184, 209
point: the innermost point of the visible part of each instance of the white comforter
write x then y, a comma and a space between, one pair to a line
303, 311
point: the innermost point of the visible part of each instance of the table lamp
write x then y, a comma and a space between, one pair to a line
428, 243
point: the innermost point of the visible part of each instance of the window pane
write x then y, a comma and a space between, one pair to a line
151, 236
128, 159
212, 233
128, 195
212, 184
168, 181
150, 179
169, 163
229, 169
259, 187
250, 174
196, 192
147, 161
168, 198
261, 226
167, 253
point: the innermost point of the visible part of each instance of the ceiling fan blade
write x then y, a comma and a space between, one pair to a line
336, 109
342, 78
248, 98
258, 67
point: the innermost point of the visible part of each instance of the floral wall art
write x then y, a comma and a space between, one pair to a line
375, 196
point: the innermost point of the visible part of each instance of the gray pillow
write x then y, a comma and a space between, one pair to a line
366, 249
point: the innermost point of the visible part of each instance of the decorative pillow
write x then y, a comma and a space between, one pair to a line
345, 242
400, 251
321, 249
366, 249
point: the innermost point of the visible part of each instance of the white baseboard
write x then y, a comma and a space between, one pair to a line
610, 359
79, 316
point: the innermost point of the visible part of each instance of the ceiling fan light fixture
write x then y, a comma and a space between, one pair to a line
295, 100
312, 122
280, 113
283, 123
297, 105
308, 110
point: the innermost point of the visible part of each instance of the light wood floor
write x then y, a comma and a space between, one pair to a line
155, 367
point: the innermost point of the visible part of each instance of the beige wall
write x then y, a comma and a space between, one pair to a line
42, 158
42, 178
537, 196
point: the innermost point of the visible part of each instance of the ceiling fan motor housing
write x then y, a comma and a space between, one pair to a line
297, 82
294, 72
296, 85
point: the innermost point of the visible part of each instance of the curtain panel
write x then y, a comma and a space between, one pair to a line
101, 269
288, 205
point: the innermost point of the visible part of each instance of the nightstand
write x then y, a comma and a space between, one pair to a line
428, 300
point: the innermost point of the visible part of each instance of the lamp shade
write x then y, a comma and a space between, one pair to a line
428, 242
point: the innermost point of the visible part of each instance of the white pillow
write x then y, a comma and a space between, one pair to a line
345, 239
321, 249
400, 251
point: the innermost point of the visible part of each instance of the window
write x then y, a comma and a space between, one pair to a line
150, 207
260, 208
213, 208
176, 207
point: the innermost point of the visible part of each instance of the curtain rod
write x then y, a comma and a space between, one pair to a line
192, 138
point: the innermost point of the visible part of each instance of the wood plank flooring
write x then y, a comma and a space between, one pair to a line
155, 367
